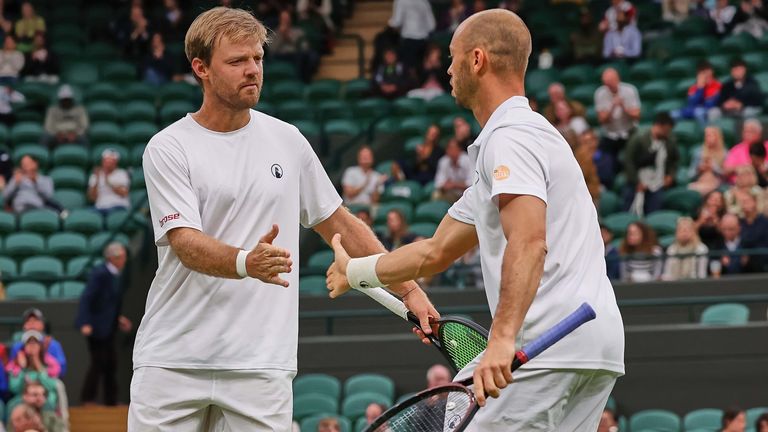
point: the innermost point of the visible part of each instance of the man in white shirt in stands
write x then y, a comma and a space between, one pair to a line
108, 186
415, 20
361, 184
228, 187
454, 173
541, 250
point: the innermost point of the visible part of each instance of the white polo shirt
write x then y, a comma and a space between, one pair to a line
231, 186
519, 152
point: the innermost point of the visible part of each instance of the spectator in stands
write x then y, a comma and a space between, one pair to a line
34, 363
569, 124
135, 34
438, 375
706, 169
414, 20
454, 173
35, 396
108, 185
586, 41
33, 319
423, 167
731, 244
361, 184
734, 420
9, 96
329, 424
556, 92
754, 230
433, 79
159, 66
751, 18
317, 14
618, 110
757, 155
612, 258
99, 318
41, 63
173, 22
722, 17
373, 411
455, 14
608, 422
390, 79
28, 26
687, 256
651, 164
702, 96
28, 189
740, 96
586, 153
738, 155
708, 219
397, 233
761, 424
25, 418
67, 121
462, 131
387, 38
746, 185
289, 44
675, 11
641, 254
610, 20
6, 25
364, 214
623, 42
11, 62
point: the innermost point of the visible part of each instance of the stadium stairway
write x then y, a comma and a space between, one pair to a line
369, 18
98, 419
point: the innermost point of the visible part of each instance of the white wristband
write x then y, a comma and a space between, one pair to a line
240, 263
361, 272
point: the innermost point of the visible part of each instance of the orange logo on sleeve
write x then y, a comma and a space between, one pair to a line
501, 172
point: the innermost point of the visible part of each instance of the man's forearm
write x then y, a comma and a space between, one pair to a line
203, 253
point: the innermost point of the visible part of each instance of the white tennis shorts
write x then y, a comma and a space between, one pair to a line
210, 400
546, 400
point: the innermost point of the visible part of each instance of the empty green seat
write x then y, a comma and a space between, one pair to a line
285, 91
423, 229
100, 52
644, 70
102, 91
97, 242
71, 154
738, 43
617, 223
83, 221
334, 109
313, 285
609, 203
441, 105
42, 266
175, 110
342, 130
700, 46
664, 222
356, 88
67, 244
119, 72
372, 108
683, 200
693, 26
125, 220
403, 190
578, 74
688, 132
705, 418
38, 153
105, 132
538, 80
8, 267
431, 211
68, 290
680, 68
81, 74
669, 105
322, 384
139, 132
369, 382
80, 266
25, 291
40, 221
103, 111
137, 179
584, 93
69, 177
320, 261
279, 70
725, 314
178, 91
321, 90
655, 420
139, 91
354, 405
406, 106
139, 111
308, 404
310, 129
756, 61
654, 91
23, 244
7, 223
754, 413
295, 109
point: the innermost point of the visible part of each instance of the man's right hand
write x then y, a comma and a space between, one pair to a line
266, 261
86, 330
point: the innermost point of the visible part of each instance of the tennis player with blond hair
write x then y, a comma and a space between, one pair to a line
228, 187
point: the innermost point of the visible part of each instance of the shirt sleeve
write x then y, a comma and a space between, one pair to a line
515, 164
318, 198
173, 202
461, 210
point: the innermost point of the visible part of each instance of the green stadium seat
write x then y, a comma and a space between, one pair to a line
102, 111
105, 132
103, 92
67, 244
356, 88
699, 46
84, 221
664, 222
24, 244
584, 93
404, 206
617, 223
4, 134
323, 90
656, 90
38, 152
305, 405
313, 285
609, 203
333, 109
136, 156
538, 80
65, 29
431, 211
688, 132
415, 125
668, 105
375, 383
37, 94
42, 266
680, 68
139, 91
178, 91
119, 72
372, 108
727, 126
403, 190
360, 424
97, 242
424, 229
8, 267
139, 132
25, 291
137, 179
339, 133
655, 420
405, 106
412, 143
100, 52
7, 223
666, 241
354, 405
705, 418
319, 261
683, 200
125, 220
693, 26
69, 290
663, 48
81, 74
285, 91
762, 79
441, 105
644, 70
754, 413
756, 61
725, 314
310, 423
322, 384
279, 70
295, 109
738, 43
80, 266
575, 75
721, 63
26, 132
41, 221
311, 131
139, 111
69, 177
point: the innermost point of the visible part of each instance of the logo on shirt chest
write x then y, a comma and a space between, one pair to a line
277, 171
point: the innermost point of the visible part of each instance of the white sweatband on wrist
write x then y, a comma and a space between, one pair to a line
240, 263
361, 272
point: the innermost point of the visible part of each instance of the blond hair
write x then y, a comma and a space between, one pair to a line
717, 156
211, 26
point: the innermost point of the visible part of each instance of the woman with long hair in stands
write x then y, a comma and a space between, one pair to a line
706, 169
641, 254
687, 256
33, 363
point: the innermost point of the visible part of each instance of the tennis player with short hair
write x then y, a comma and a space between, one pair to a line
541, 251
216, 349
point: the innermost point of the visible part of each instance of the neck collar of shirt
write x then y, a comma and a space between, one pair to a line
498, 114
112, 269
228, 133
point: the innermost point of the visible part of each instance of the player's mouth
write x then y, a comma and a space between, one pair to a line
251, 85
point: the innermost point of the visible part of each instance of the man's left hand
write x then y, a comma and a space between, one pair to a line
494, 371
418, 303
336, 277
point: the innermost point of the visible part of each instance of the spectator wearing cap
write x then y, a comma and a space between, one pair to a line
35, 320
34, 363
65, 122
703, 95
11, 61
108, 185
28, 189
98, 319
740, 96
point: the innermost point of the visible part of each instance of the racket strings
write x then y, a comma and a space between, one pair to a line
441, 412
462, 343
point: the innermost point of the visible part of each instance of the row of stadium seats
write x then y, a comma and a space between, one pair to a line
21, 245
74, 158
36, 291
134, 133
700, 420
84, 221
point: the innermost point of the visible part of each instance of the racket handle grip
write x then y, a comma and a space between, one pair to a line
388, 301
570, 323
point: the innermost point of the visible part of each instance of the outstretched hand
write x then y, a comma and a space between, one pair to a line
266, 261
336, 277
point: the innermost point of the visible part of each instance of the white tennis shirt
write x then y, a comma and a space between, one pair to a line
231, 186
518, 152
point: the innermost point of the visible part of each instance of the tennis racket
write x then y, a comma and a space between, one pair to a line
458, 339
450, 408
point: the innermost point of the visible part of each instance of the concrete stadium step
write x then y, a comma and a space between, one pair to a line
98, 419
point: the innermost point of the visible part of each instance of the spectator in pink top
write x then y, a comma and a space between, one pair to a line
751, 132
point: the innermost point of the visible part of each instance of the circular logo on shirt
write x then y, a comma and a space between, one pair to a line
364, 284
501, 172
276, 170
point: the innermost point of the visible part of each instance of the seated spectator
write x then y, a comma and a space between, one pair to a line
159, 66
586, 41
569, 124
675, 11
289, 44
706, 169
65, 122
761, 424
708, 219
433, 79
28, 189
34, 363
702, 96
173, 22
35, 395
361, 184
687, 256
108, 186
25, 418
454, 16
608, 422
612, 259
722, 17
754, 230
373, 411
610, 20
650, 165
41, 63
11, 62
738, 155
9, 96
625, 41
618, 110
365, 215
454, 173
438, 375
329, 424
585, 153
462, 131
734, 420
389, 80
556, 92
641, 254
28, 26
135, 34
732, 261
746, 184
751, 18
397, 233
757, 156
740, 96
34, 320
423, 167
